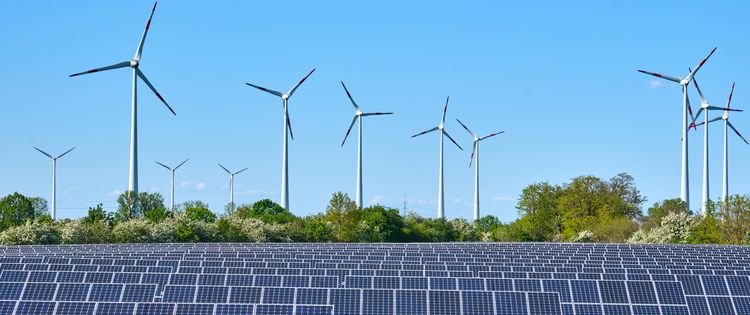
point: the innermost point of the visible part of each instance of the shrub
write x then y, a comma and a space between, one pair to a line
32, 232
132, 231
83, 232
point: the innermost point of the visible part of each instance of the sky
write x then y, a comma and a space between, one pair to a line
559, 77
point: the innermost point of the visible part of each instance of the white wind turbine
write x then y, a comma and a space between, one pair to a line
287, 134
706, 107
137, 73
441, 127
172, 170
727, 125
684, 184
357, 113
54, 178
231, 183
474, 152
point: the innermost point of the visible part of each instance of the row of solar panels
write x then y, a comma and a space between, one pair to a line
90, 308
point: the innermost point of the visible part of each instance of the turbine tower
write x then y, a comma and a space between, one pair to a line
172, 170
441, 127
287, 134
54, 178
727, 125
474, 152
231, 184
706, 107
684, 184
137, 73
357, 113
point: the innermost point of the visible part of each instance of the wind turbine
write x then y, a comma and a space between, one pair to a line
684, 184
357, 113
231, 183
137, 73
54, 180
172, 170
441, 127
706, 107
475, 151
287, 133
727, 125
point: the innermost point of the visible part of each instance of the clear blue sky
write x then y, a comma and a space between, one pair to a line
560, 77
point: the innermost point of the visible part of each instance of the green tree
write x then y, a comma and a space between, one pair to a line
734, 219
97, 214
198, 211
380, 224
15, 209
150, 205
538, 204
659, 210
343, 215
267, 211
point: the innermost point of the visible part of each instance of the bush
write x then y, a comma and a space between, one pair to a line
236, 229
42, 232
676, 227
584, 237
132, 231
83, 232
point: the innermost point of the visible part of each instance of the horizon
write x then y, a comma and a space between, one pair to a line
541, 77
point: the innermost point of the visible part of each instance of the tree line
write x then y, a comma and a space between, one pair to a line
586, 209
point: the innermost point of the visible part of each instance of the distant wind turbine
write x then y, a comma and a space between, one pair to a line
727, 125
137, 73
172, 170
357, 113
231, 183
441, 127
684, 184
54, 178
475, 152
706, 107
287, 133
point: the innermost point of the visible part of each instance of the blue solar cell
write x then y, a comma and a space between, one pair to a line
377, 302
314, 310
414, 283
72, 292
584, 291
295, 281
39, 291
211, 279
234, 309
312, 296
611, 309
544, 303
7, 307
99, 277
240, 280
267, 281
11, 290
697, 305
588, 309
179, 294
477, 302
139, 293
691, 284
358, 282
567, 309
444, 302
212, 294
641, 292
14, 276
154, 309
42, 276
741, 304
183, 279
647, 310
559, 286
670, 293
101, 292
278, 296
156, 278
499, 284
470, 284
70, 276
34, 308
115, 308
244, 295
122, 277
739, 285
345, 301
720, 305
386, 283
75, 308
510, 303
442, 283
613, 292
269, 309
527, 285
674, 310
194, 309
715, 285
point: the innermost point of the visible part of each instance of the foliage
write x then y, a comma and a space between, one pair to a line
676, 227
15, 210
97, 214
734, 219
198, 211
148, 205
86, 232
266, 211
585, 236
40, 231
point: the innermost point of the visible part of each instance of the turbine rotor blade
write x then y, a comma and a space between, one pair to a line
277, 93
222, 166
288, 122
240, 171
473, 149
445, 109
710, 121
143, 77
349, 130
737, 132
695, 82
183, 162
291, 92
114, 66
690, 111
692, 124
724, 109
700, 64
137, 56
64, 153
467, 129
451, 138
356, 107
376, 114
659, 75
426, 131
45, 153
492, 135
164, 166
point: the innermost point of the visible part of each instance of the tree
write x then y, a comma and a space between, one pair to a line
97, 214
198, 211
132, 206
734, 219
267, 211
40, 206
15, 209
344, 215
659, 210
380, 224
539, 205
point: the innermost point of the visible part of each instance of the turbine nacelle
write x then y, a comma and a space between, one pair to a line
285, 97
134, 63
684, 82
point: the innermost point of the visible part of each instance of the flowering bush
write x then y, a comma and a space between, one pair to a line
32, 232
82, 232
676, 227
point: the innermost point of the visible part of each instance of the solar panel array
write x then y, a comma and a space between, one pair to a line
440, 278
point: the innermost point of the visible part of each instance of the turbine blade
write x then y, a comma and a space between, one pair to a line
64, 153
695, 82
492, 135
222, 166
356, 107
164, 166
468, 130
143, 77
137, 56
45, 153
737, 132
473, 149
659, 75
265, 89
349, 130
288, 123
183, 162
240, 171
445, 109
692, 124
424, 132
291, 92
731, 92
724, 109
690, 111
451, 138
377, 114
700, 64
114, 66
710, 121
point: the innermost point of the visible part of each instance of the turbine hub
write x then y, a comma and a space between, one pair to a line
285, 97
134, 63
441, 126
358, 113
704, 105
684, 82
725, 116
